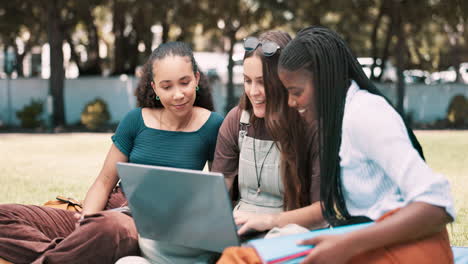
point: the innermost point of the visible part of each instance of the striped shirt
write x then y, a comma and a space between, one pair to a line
380, 169
149, 146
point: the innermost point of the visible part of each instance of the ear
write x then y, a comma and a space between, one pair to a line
153, 86
197, 77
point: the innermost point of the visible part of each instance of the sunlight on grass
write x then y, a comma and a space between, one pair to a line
35, 168
446, 153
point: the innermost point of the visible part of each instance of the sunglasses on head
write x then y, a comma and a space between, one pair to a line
269, 48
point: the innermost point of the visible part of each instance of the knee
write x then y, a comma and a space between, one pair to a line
133, 260
11, 211
8, 208
111, 225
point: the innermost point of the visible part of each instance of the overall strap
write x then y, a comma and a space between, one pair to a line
244, 123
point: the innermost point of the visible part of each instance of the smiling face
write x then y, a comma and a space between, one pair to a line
174, 82
301, 92
253, 85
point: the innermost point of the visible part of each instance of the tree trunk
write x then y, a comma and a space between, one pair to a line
118, 27
375, 30
400, 61
132, 53
73, 55
18, 61
456, 50
165, 29
57, 72
386, 49
142, 24
230, 100
93, 67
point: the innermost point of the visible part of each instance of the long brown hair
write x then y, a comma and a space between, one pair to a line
285, 126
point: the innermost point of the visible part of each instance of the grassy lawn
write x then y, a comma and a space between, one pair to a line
35, 168
447, 153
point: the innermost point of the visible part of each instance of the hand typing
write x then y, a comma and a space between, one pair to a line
255, 221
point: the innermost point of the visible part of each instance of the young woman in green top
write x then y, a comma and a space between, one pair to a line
174, 126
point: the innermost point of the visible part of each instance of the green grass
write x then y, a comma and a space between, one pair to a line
35, 168
447, 153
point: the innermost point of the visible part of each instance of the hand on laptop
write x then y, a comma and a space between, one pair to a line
253, 221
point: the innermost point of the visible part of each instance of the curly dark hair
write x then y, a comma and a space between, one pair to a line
145, 93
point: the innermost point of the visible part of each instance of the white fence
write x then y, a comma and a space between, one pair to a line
426, 102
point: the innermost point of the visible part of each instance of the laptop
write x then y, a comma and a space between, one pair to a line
179, 206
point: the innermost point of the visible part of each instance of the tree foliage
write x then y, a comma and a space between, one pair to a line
424, 34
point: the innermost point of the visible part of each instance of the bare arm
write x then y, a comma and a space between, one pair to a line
226, 157
309, 216
97, 195
415, 221
229, 181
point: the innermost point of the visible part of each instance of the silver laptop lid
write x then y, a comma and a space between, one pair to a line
179, 206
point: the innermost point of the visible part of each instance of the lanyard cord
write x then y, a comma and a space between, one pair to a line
259, 175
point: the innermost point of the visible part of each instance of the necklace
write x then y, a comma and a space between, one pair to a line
182, 128
259, 175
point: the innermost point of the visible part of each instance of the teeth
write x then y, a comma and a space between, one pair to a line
301, 111
259, 102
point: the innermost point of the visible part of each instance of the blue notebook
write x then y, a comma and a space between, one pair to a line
285, 249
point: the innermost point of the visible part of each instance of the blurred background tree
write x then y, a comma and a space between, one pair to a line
113, 37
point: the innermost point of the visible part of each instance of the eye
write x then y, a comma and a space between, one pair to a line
247, 81
165, 87
295, 92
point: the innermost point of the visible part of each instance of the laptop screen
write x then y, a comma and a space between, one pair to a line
179, 206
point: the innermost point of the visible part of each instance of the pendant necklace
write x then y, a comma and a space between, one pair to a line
259, 175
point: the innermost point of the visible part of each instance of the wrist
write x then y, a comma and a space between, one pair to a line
355, 245
274, 220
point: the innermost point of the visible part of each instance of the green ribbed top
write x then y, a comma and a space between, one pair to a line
149, 146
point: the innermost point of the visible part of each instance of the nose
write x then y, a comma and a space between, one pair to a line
255, 89
178, 94
292, 102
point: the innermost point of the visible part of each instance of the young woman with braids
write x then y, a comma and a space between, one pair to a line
173, 126
262, 142
371, 163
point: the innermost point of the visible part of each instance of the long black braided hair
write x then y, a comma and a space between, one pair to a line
332, 65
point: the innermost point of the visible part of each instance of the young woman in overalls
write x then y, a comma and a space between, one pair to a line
262, 143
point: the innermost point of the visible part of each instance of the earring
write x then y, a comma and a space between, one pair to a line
157, 98
197, 89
